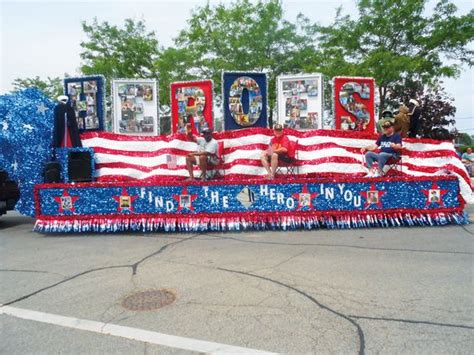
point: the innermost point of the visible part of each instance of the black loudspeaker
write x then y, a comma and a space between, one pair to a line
52, 172
80, 167
3, 176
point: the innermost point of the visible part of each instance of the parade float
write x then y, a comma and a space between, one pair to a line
137, 180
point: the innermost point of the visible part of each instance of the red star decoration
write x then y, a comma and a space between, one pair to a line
304, 193
66, 202
437, 197
123, 200
375, 192
184, 192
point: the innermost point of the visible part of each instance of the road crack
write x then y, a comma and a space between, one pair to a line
412, 321
159, 251
133, 266
360, 332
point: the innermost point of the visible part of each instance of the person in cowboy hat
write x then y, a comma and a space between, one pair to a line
65, 129
414, 114
390, 144
387, 115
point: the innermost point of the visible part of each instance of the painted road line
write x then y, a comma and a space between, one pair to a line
128, 332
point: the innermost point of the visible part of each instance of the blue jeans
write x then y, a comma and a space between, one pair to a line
381, 158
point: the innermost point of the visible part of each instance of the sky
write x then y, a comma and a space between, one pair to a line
42, 38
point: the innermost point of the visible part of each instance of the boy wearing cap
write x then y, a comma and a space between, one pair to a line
390, 144
278, 150
206, 154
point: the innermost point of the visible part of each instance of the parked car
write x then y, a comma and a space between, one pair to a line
9, 193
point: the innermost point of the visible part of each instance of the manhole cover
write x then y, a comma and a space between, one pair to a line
148, 300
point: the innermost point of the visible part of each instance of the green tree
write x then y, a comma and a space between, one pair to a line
51, 87
465, 139
437, 107
173, 65
244, 36
128, 52
394, 40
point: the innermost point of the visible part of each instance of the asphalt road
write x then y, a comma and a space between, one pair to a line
398, 290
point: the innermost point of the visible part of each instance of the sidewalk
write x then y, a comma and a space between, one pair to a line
470, 207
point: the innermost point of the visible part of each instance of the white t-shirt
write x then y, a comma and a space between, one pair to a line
210, 147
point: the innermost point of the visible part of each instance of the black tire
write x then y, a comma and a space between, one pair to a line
9, 193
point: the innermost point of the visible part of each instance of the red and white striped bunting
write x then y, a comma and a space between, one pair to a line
319, 153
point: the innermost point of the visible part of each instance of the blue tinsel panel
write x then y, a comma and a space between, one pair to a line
26, 129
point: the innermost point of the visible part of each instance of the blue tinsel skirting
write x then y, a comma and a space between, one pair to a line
187, 224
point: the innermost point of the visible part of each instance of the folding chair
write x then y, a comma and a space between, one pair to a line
394, 165
291, 167
218, 170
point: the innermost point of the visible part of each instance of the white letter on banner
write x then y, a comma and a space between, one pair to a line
280, 198
290, 203
169, 206
225, 201
159, 201
272, 194
329, 193
357, 201
263, 190
142, 192
341, 188
348, 195
214, 197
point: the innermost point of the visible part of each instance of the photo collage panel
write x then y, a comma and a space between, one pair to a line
191, 103
299, 96
83, 98
242, 86
360, 115
134, 98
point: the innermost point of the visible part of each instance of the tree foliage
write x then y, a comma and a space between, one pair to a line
245, 36
51, 87
394, 41
465, 140
173, 65
437, 107
406, 47
128, 52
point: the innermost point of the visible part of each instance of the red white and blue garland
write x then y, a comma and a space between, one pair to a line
253, 204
